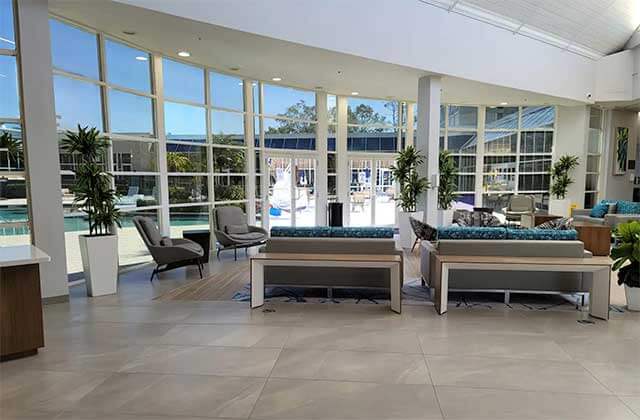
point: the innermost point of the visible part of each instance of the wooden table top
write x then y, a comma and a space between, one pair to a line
482, 259
591, 225
328, 257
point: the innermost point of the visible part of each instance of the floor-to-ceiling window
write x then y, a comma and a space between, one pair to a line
14, 211
594, 158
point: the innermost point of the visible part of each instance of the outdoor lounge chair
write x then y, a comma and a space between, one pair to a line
167, 253
519, 205
233, 232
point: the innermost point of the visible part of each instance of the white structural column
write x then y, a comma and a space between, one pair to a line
43, 166
162, 145
343, 177
250, 158
479, 181
572, 138
322, 129
409, 124
427, 142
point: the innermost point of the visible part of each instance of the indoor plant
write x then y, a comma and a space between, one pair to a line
560, 181
447, 187
627, 249
95, 196
411, 185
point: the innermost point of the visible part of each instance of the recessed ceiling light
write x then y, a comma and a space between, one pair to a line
234, 68
276, 79
355, 93
504, 103
184, 53
319, 88
127, 32
141, 58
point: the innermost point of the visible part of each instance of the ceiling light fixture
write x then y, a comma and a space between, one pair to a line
276, 79
127, 32
355, 93
141, 58
504, 103
184, 53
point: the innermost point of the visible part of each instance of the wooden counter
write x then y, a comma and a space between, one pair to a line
21, 330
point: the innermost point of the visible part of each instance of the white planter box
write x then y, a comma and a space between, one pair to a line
633, 297
560, 207
445, 217
100, 264
407, 237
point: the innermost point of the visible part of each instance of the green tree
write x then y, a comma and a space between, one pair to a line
13, 148
301, 114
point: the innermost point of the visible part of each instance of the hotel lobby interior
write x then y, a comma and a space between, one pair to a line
374, 209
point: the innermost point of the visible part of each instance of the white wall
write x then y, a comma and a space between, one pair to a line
614, 77
619, 187
404, 32
571, 139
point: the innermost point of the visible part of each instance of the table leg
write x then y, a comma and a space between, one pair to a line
257, 284
599, 297
396, 289
441, 287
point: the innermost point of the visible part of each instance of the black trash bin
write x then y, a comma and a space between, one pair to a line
335, 214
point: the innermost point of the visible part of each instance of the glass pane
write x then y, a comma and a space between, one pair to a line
11, 149
465, 163
82, 58
331, 185
228, 160
9, 99
360, 193
227, 127
130, 114
590, 200
137, 190
288, 134
385, 212
496, 201
502, 164
135, 156
75, 224
591, 183
331, 163
188, 218
538, 116
258, 189
541, 201
226, 91
537, 182
186, 158
127, 66
182, 81
259, 213
595, 141
595, 119
372, 139
188, 189
465, 202
7, 33
462, 142
229, 187
535, 163
131, 248
255, 91
372, 112
499, 182
241, 206
305, 200
536, 142
331, 138
332, 111
463, 116
500, 142
505, 118
279, 194
288, 102
14, 215
185, 122
593, 163
442, 116
76, 102
466, 183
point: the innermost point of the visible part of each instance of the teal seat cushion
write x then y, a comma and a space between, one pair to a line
542, 234
301, 232
470, 232
628, 207
361, 232
600, 209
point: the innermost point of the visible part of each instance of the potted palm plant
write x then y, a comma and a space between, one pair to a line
447, 187
559, 205
95, 196
411, 185
627, 250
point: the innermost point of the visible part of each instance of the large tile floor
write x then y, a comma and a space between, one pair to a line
129, 357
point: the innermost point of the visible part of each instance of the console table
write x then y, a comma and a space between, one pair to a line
21, 330
600, 267
260, 261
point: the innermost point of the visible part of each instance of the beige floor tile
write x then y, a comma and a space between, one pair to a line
621, 379
390, 368
300, 399
517, 346
517, 374
490, 404
203, 360
113, 416
159, 313
174, 395
633, 403
226, 335
393, 341
597, 348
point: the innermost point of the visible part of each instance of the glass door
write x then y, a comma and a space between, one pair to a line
372, 192
279, 192
304, 192
291, 194
360, 211
385, 191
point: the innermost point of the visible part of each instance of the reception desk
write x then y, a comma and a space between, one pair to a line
21, 330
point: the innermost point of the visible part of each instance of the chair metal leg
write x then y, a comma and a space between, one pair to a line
200, 268
154, 273
235, 254
414, 244
218, 253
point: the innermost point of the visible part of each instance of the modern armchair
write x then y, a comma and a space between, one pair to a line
233, 232
167, 253
519, 205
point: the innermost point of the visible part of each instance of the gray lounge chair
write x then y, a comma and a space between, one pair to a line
233, 232
167, 253
519, 205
